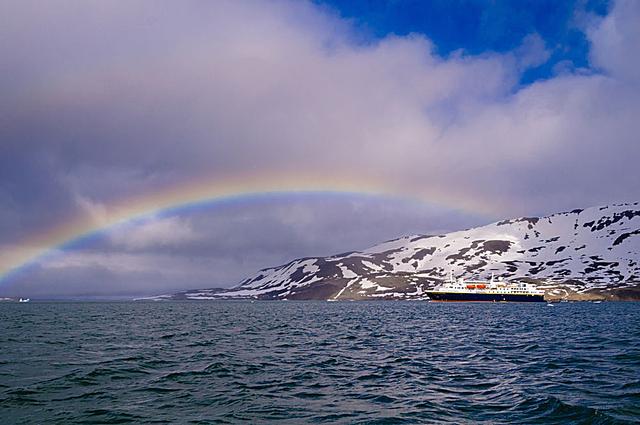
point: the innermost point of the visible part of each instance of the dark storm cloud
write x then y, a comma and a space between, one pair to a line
110, 100
221, 245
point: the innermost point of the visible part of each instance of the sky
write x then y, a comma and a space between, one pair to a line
154, 146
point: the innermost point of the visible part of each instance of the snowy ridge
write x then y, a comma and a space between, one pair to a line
571, 252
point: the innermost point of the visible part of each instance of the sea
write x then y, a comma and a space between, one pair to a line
227, 362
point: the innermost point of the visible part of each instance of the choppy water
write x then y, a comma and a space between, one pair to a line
317, 362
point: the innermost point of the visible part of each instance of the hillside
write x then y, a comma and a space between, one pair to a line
582, 254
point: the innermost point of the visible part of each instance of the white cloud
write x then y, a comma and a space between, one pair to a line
532, 52
615, 40
227, 88
153, 232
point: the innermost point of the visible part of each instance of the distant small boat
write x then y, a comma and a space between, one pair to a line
597, 302
551, 305
24, 300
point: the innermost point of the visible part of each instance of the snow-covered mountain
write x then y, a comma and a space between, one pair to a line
591, 251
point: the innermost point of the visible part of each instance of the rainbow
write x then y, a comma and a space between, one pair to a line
36, 247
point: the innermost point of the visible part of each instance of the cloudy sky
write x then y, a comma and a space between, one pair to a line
386, 117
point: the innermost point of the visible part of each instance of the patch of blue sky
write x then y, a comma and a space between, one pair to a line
480, 26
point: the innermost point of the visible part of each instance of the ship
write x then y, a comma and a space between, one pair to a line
487, 291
